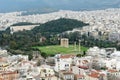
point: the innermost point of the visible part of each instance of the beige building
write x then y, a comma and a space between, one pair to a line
66, 75
64, 42
9, 75
113, 74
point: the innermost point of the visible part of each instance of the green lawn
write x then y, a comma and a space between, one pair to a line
58, 49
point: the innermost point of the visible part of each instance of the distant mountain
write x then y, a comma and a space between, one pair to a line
23, 5
39, 11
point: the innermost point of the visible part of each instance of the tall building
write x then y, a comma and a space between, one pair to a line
64, 42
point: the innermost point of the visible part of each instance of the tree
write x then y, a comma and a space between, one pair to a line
30, 56
44, 54
79, 55
84, 53
13, 45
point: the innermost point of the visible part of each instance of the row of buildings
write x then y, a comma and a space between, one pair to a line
98, 64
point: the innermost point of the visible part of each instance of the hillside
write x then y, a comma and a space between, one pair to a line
28, 38
59, 26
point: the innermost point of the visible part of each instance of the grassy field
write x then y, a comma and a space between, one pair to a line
58, 49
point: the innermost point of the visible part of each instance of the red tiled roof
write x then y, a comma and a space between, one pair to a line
83, 67
1, 78
112, 70
96, 74
67, 56
79, 76
8, 72
3, 59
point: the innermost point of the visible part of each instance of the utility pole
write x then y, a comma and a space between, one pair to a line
79, 46
58, 60
75, 47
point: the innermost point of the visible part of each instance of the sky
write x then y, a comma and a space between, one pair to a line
23, 5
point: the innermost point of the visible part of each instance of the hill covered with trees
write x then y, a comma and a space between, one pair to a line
22, 42
58, 26
49, 30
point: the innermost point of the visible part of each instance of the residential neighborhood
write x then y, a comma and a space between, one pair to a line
96, 65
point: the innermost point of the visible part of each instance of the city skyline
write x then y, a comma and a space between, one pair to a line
23, 5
